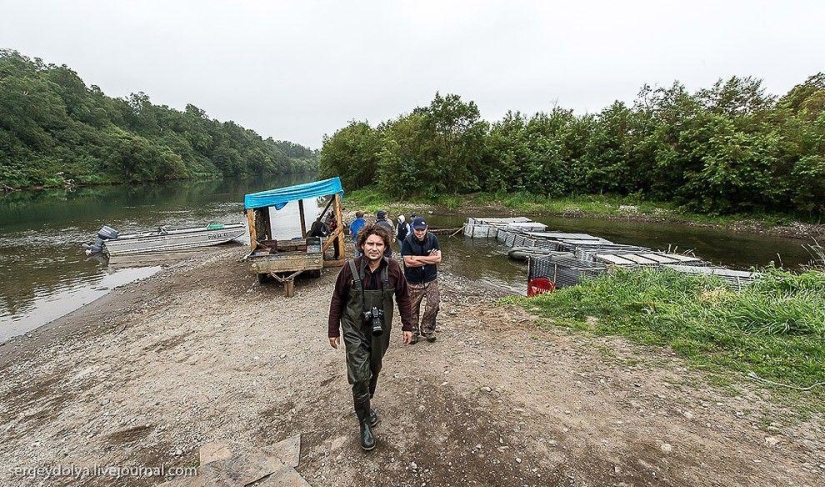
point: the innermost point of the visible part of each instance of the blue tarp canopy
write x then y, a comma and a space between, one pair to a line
281, 196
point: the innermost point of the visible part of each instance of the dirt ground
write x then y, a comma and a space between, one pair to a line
201, 352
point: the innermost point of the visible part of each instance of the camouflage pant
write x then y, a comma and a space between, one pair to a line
424, 292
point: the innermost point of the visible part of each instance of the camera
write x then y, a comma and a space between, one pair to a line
375, 318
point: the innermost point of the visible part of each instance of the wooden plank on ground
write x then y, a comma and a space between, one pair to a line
563, 235
660, 258
683, 258
712, 271
613, 259
638, 259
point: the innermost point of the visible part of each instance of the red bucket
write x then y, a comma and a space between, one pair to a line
540, 285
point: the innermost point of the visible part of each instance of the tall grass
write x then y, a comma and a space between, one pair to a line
774, 328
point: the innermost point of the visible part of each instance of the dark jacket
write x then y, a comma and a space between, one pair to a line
345, 282
411, 246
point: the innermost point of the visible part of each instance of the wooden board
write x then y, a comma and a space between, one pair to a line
662, 259
683, 258
637, 259
286, 262
613, 259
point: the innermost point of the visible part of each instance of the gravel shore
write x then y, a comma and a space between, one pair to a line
201, 353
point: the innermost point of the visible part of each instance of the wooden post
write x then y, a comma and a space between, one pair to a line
303, 223
339, 240
289, 287
253, 234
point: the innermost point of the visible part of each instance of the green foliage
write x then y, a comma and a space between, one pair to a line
774, 328
54, 130
724, 150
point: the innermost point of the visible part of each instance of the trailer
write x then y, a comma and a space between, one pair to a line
284, 260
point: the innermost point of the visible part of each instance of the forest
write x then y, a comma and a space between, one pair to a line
55, 131
731, 148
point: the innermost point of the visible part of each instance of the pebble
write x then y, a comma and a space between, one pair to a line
666, 448
487, 389
518, 460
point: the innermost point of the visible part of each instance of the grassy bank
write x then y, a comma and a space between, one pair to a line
774, 329
597, 206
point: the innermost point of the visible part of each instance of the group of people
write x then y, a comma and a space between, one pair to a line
362, 302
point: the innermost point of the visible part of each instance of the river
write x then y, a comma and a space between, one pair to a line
46, 274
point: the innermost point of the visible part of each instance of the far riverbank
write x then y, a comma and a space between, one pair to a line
592, 206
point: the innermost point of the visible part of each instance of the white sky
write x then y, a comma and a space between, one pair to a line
296, 70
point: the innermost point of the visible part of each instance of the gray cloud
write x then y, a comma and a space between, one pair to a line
296, 70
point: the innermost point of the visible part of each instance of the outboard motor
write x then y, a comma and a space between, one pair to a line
107, 233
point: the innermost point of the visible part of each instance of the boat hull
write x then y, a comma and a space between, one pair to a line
174, 240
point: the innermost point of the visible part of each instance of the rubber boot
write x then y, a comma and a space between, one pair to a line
373, 384
374, 419
363, 412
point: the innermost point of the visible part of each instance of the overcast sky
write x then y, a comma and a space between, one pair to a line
296, 70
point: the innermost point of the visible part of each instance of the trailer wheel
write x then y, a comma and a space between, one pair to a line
315, 273
264, 278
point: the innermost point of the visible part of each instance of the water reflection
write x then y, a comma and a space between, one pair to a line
41, 259
68, 297
41, 233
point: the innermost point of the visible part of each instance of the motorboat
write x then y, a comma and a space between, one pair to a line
109, 241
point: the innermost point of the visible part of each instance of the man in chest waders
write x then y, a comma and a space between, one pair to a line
362, 305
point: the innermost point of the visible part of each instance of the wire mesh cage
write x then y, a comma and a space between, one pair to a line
547, 244
562, 270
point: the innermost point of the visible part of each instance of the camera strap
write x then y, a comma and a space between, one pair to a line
358, 277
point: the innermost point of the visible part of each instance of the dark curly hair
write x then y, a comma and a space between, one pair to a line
373, 229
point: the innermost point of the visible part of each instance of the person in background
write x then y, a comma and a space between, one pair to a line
402, 229
361, 301
421, 254
318, 229
356, 227
332, 224
381, 219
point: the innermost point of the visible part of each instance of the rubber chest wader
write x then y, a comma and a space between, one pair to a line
364, 351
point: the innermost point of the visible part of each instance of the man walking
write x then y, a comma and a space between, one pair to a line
362, 305
421, 253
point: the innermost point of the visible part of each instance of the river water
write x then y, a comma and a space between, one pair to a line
46, 274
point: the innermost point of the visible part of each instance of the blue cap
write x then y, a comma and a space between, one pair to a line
418, 223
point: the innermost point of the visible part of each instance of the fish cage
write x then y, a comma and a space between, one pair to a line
563, 271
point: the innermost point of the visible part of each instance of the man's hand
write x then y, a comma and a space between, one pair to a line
334, 341
407, 337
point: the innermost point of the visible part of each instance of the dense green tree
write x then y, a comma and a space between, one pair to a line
53, 128
352, 154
